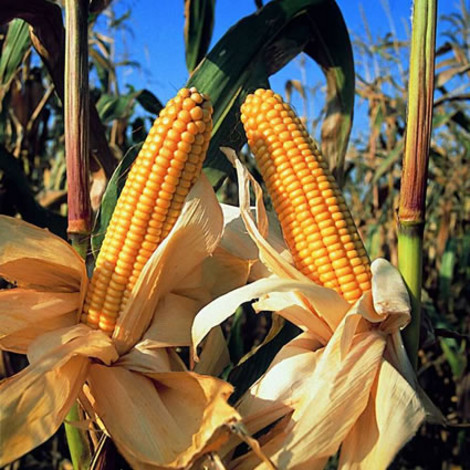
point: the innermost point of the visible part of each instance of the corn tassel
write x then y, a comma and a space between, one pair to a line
315, 220
167, 166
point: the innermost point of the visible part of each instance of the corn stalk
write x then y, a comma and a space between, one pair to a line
76, 109
411, 211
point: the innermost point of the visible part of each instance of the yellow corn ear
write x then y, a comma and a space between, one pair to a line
167, 166
315, 220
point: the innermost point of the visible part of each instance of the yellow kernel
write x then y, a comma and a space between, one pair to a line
363, 277
188, 136
353, 295
365, 286
188, 104
196, 113
196, 97
359, 269
179, 126
184, 116
340, 263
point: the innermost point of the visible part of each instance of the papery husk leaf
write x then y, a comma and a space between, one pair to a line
274, 438
241, 432
192, 239
237, 241
78, 340
223, 272
396, 355
282, 382
269, 442
391, 419
235, 238
390, 295
335, 393
146, 358
323, 300
215, 355
293, 307
36, 400
255, 363
171, 325
33, 257
165, 420
27, 314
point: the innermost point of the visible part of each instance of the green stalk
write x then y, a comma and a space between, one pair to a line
411, 211
77, 441
76, 110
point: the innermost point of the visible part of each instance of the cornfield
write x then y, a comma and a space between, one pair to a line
239, 278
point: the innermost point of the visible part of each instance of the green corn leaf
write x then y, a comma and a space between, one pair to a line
257, 47
198, 27
149, 102
455, 355
386, 164
465, 256
235, 337
16, 43
446, 272
112, 107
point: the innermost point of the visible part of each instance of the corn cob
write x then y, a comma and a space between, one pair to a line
165, 169
315, 220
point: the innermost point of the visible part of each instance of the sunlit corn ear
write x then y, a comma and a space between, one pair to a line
315, 220
167, 166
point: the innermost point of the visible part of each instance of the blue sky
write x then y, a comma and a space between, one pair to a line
155, 38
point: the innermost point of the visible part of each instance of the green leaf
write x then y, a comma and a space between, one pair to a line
104, 67
454, 355
334, 54
257, 47
446, 272
465, 256
149, 102
235, 337
198, 27
16, 43
112, 107
386, 164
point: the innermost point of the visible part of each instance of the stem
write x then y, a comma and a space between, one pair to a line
410, 262
76, 106
411, 211
76, 109
79, 446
